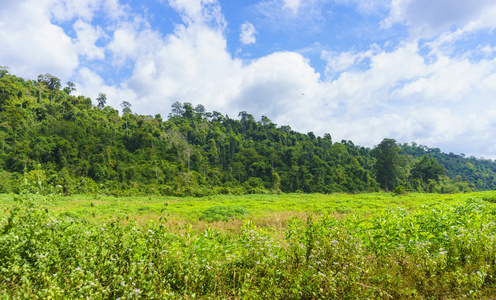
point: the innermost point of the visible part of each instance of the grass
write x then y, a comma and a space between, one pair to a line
295, 246
190, 209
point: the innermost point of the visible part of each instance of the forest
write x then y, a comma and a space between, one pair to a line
73, 145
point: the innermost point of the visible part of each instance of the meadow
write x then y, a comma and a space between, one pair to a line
288, 246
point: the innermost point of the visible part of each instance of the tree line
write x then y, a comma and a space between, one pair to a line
59, 141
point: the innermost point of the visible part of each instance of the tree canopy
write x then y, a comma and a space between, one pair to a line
386, 166
425, 169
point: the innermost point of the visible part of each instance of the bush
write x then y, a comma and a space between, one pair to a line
5, 186
223, 213
400, 190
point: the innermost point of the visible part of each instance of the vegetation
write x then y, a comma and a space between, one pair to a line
426, 169
193, 235
444, 249
387, 162
67, 142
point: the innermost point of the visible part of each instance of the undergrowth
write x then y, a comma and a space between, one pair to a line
439, 252
223, 213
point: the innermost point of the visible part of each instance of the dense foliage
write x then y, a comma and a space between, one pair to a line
387, 165
68, 143
439, 252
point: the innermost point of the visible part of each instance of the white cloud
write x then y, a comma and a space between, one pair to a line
87, 36
293, 16
34, 40
292, 5
247, 35
338, 62
132, 40
200, 11
427, 18
284, 87
91, 85
31, 44
404, 97
67, 10
193, 65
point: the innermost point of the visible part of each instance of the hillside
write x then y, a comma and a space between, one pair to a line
67, 143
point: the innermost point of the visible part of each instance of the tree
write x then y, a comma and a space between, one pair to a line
8, 92
126, 110
247, 120
102, 99
200, 111
176, 110
71, 87
387, 162
425, 169
276, 180
126, 107
265, 121
52, 82
3, 71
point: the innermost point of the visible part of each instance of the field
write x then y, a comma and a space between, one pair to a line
294, 246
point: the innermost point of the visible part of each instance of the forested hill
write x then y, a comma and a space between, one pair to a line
50, 139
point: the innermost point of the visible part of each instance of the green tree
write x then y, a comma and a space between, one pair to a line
3, 71
425, 169
387, 162
276, 180
71, 87
8, 92
102, 100
126, 107
52, 82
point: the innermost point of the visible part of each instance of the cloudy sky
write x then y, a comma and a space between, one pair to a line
414, 70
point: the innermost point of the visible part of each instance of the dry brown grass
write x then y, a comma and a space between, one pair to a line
274, 222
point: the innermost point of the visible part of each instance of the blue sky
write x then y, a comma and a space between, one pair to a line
414, 70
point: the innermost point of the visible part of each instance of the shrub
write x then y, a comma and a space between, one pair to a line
223, 213
400, 190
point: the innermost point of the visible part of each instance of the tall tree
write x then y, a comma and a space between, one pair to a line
126, 110
71, 87
387, 162
126, 107
427, 168
52, 82
102, 100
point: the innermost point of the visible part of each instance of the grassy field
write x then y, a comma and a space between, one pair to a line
257, 207
295, 246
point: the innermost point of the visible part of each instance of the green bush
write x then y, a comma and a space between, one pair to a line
400, 190
5, 181
223, 213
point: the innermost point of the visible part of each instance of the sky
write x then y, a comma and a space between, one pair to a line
418, 71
